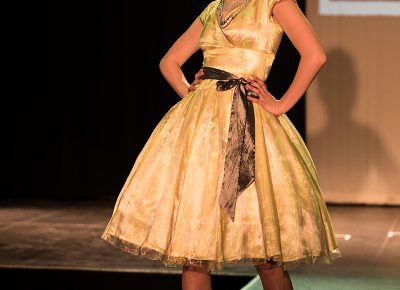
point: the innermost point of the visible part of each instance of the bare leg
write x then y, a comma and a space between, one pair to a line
273, 277
196, 278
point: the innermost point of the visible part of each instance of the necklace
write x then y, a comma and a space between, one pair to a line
225, 22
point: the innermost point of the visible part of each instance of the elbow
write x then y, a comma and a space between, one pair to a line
162, 65
322, 58
166, 64
318, 58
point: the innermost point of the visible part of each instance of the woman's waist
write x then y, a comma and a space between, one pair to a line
239, 61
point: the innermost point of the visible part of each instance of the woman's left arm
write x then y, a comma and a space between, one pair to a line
302, 35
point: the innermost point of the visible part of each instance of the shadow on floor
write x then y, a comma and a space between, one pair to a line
41, 279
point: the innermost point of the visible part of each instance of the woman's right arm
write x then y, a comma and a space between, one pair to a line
198, 78
183, 48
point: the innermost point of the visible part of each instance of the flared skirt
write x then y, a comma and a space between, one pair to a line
168, 208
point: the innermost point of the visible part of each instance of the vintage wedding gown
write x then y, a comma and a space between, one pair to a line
168, 209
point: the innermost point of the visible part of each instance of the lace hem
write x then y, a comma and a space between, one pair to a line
213, 265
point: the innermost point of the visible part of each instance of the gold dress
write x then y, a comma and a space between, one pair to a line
168, 208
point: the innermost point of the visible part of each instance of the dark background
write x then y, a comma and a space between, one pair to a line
89, 92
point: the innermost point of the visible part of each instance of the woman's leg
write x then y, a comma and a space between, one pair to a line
196, 278
274, 277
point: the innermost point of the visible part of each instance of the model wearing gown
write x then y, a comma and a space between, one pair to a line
168, 209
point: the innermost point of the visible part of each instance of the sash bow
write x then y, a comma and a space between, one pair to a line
239, 166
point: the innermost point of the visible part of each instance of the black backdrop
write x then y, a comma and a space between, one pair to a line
97, 94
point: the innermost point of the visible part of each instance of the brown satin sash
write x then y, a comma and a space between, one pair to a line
239, 167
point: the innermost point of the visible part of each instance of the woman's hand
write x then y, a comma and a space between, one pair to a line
265, 99
197, 80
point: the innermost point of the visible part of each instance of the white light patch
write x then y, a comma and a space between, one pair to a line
391, 234
345, 237
359, 8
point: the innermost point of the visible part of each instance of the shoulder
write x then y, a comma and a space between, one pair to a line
271, 4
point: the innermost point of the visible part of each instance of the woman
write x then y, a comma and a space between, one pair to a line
225, 177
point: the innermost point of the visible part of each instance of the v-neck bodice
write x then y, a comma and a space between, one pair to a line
247, 45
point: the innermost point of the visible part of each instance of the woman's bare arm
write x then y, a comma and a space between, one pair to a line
302, 35
183, 48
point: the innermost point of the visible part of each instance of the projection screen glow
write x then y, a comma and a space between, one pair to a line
360, 7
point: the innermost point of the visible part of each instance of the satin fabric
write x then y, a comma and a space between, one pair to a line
168, 208
240, 163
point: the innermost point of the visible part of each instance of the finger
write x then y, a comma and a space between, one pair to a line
253, 82
256, 90
258, 81
251, 87
249, 97
260, 90
255, 85
198, 77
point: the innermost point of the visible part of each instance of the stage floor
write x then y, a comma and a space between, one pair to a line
65, 234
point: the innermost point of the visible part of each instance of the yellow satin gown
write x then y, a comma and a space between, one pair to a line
168, 208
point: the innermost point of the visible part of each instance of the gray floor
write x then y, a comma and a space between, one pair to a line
65, 235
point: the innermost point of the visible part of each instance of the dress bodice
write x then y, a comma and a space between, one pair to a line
248, 45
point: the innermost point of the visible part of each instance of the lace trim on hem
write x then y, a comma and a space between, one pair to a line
212, 265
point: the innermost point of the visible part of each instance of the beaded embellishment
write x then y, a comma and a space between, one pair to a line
223, 23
